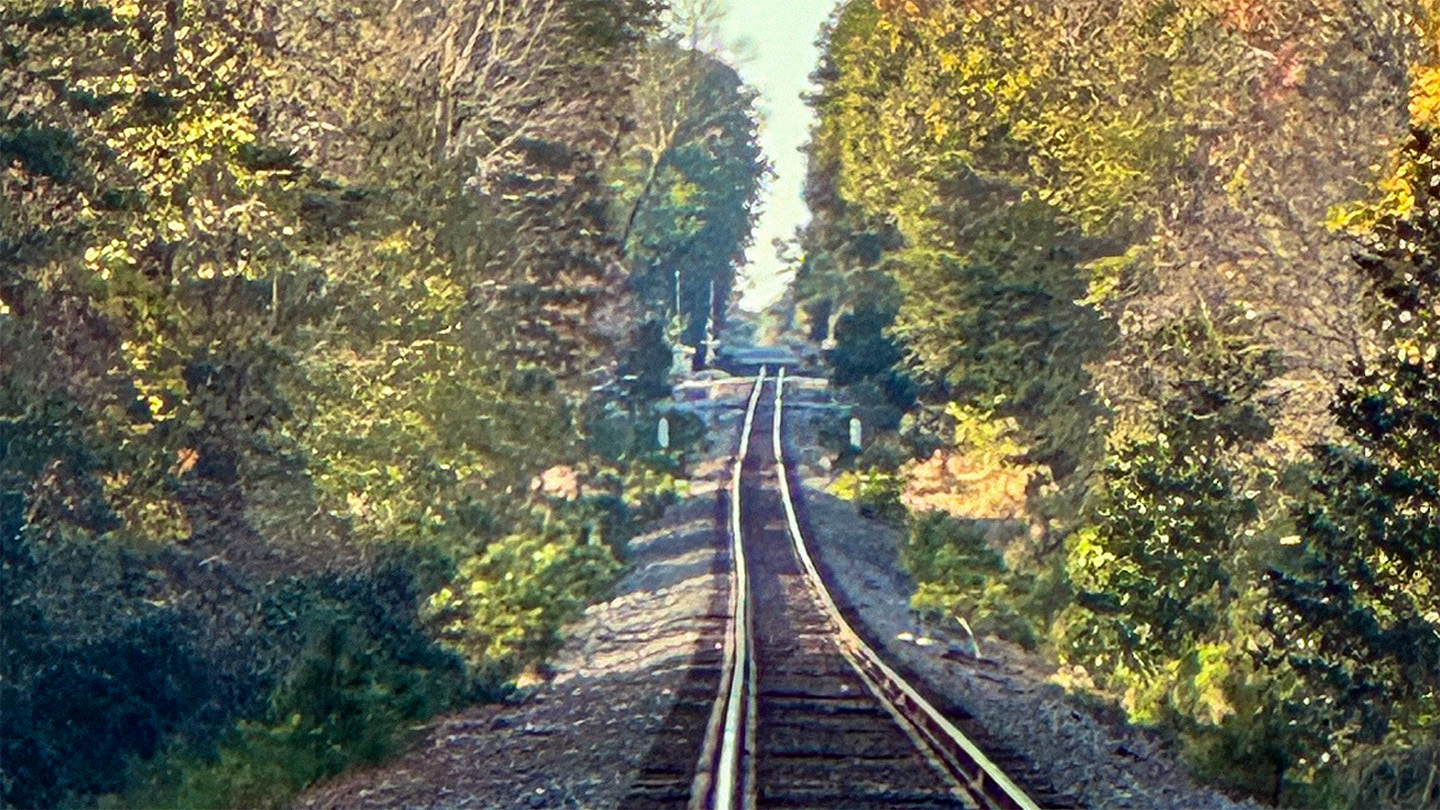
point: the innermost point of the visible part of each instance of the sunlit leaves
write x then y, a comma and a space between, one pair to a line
510, 600
1425, 97
313, 289
288, 288
1145, 207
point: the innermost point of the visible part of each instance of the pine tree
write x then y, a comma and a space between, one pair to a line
1358, 613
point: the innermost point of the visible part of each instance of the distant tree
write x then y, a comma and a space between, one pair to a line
688, 179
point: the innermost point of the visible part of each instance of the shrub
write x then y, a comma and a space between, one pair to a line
365, 672
506, 606
875, 493
80, 709
961, 575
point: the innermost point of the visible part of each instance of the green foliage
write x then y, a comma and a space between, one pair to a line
1168, 574
652, 486
1001, 327
1355, 609
76, 711
688, 186
288, 289
954, 557
365, 672
1150, 169
977, 285
866, 365
1123, 244
1164, 567
645, 369
862, 349
107, 688
961, 575
875, 492
507, 604
630, 438
90, 674
1156, 561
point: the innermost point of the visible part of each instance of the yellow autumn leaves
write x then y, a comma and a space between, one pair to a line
1396, 183
1425, 97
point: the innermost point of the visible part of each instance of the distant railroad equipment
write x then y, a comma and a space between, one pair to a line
746, 361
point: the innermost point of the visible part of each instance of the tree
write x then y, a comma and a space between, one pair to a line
1004, 327
1164, 563
147, 267
1140, 221
265, 334
689, 179
1355, 610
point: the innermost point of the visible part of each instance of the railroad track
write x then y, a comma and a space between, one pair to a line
802, 711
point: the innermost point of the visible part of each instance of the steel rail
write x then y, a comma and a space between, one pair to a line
719, 775
981, 777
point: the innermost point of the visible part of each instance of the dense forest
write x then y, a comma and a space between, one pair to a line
1147, 298
333, 336
331, 339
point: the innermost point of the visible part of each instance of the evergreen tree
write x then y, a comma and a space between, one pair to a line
1358, 610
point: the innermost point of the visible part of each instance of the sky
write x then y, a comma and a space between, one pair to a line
773, 47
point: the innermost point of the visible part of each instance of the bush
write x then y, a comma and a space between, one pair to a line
961, 575
876, 494
506, 606
365, 673
86, 707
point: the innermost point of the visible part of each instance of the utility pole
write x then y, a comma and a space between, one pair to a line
712, 341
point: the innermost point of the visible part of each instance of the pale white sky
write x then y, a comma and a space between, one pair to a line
776, 46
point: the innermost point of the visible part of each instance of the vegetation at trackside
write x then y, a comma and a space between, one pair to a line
1158, 289
333, 337
332, 341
